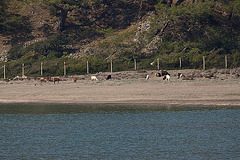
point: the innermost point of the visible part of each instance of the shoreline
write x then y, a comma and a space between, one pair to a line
153, 102
67, 108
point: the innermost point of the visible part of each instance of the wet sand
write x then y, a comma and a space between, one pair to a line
131, 89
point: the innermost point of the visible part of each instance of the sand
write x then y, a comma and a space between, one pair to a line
126, 87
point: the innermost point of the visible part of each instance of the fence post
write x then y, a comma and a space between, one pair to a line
4, 71
41, 68
111, 65
87, 68
23, 69
135, 64
64, 68
204, 63
180, 63
226, 65
158, 64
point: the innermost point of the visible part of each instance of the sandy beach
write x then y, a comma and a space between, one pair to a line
128, 87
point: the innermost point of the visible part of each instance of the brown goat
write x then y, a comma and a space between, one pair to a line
74, 80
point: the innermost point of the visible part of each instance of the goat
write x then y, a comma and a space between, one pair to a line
157, 75
48, 78
42, 80
74, 80
108, 77
147, 77
167, 77
94, 78
56, 79
180, 75
163, 73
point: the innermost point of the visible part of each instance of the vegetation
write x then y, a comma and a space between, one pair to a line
193, 31
187, 29
11, 22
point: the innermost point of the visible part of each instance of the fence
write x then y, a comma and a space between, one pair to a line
154, 66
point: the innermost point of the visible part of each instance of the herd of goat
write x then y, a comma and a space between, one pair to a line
164, 74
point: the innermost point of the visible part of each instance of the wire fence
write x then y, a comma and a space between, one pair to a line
91, 67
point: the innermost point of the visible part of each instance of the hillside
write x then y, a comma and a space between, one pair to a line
32, 32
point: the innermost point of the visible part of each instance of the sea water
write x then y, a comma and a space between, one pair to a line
54, 131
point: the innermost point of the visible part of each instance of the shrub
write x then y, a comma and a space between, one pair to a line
16, 52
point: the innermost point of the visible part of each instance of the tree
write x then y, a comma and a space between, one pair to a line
10, 21
2, 7
2, 13
64, 6
98, 9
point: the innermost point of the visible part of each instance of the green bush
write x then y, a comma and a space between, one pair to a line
236, 59
16, 52
51, 48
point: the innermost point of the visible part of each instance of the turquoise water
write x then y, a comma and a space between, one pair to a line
52, 131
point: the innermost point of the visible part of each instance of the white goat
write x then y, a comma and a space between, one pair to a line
94, 78
147, 77
167, 77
